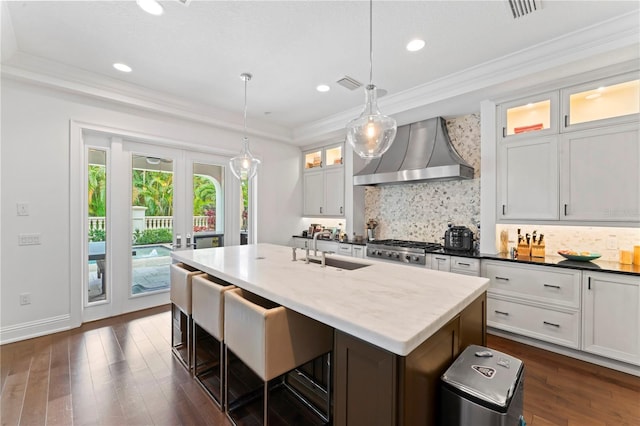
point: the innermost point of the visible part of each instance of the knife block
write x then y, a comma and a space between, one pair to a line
524, 250
537, 250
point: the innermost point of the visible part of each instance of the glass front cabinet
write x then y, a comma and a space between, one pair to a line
531, 116
601, 103
572, 155
323, 181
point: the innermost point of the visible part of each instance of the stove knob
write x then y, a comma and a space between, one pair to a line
416, 258
389, 254
408, 258
396, 255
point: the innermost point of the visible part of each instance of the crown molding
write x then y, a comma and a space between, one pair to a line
42, 72
588, 46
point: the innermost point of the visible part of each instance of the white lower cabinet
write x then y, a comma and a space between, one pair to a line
541, 302
441, 262
611, 316
358, 251
558, 326
345, 249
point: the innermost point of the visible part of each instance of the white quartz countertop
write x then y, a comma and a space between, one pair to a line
395, 307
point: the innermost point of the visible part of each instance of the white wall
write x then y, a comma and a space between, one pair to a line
35, 170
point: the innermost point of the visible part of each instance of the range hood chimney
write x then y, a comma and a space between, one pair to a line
421, 152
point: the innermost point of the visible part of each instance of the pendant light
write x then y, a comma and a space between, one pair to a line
244, 165
371, 134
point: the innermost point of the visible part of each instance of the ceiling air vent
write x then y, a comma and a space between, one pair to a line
519, 8
349, 83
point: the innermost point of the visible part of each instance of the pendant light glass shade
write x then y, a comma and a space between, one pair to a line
244, 165
371, 134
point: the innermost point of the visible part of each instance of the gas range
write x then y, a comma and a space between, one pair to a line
412, 252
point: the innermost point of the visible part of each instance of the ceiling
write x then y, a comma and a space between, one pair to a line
192, 56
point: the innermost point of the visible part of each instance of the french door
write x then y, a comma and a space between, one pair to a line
143, 201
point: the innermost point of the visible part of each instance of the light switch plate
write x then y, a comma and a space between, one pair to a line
23, 209
28, 239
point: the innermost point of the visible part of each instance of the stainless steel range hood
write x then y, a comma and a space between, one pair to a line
421, 152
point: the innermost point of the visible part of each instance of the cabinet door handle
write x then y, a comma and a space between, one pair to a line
589, 283
506, 314
503, 207
504, 132
565, 209
320, 209
464, 264
551, 324
552, 286
340, 210
566, 121
502, 278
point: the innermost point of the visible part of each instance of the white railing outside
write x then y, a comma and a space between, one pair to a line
151, 222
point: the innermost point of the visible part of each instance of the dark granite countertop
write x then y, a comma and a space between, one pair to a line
561, 262
555, 261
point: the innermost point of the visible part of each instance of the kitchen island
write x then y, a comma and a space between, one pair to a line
397, 330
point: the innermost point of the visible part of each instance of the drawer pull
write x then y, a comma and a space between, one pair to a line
502, 278
464, 264
552, 286
502, 313
551, 324
440, 259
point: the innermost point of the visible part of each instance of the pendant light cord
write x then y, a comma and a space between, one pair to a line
370, 42
245, 78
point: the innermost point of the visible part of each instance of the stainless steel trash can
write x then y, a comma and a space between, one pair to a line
483, 387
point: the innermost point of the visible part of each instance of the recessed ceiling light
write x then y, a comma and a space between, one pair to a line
323, 88
122, 67
151, 6
415, 45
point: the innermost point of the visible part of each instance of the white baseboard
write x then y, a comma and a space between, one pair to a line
31, 329
573, 353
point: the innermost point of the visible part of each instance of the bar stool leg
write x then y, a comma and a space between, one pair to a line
266, 403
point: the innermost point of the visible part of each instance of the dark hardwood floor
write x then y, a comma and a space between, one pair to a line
121, 371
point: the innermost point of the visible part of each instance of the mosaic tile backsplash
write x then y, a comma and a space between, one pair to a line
421, 211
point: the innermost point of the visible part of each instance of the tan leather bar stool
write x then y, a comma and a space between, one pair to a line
180, 295
271, 340
208, 334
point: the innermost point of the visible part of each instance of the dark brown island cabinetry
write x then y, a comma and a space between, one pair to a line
376, 387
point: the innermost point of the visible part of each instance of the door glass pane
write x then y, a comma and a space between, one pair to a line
529, 118
97, 208
152, 216
313, 159
334, 155
605, 102
244, 212
208, 205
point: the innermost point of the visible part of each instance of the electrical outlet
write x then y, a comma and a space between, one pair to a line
25, 299
28, 239
612, 242
23, 209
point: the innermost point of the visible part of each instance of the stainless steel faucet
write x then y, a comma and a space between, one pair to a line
315, 240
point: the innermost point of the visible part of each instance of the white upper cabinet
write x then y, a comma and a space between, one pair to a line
600, 175
587, 169
323, 181
527, 117
528, 179
600, 103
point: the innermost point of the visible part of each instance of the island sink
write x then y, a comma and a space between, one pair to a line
340, 264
